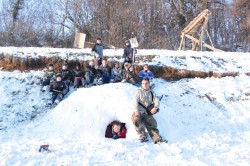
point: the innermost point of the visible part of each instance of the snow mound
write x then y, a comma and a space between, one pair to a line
87, 112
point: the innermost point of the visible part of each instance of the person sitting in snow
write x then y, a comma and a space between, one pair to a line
104, 72
78, 74
129, 75
58, 88
145, 105
48, 77
146, 73
116, 73
66, 75
90, 73
116, 130
128, 52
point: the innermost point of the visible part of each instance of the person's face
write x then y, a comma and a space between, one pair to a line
145, 84
91, 63
116, 128
131, 69
104, 63
51, 68
64, 67
127, 44
145, 68
117, 66
98, 41
58, 79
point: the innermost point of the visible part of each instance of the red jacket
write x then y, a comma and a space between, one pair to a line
109, 133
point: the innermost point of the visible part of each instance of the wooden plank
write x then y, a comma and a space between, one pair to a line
193, 23
79, 40
205, 45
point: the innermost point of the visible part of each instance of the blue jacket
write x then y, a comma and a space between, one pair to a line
98, 48
147, 74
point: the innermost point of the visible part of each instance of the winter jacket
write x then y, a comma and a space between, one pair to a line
128, 53
130, 77
110, 133
145, 98
66, 75
98, 48
148, 74
117, 74
78, 73
104, 70
58, 87
49, 74
91, 70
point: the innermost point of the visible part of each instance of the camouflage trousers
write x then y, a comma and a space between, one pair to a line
144, 122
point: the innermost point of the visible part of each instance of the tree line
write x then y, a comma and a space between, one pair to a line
155, 23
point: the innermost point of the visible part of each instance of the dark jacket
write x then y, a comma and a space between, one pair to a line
98, 48
128, 53
78, 73
66, 75
58, 87
104, 70
130, 77
110, 134
49, 74
91, 70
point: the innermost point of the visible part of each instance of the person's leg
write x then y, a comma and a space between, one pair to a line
99, 62
76, 83
53, 98
151, 125
59, 98
139, 126
83, 82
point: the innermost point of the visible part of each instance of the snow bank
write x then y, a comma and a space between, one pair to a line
207, 122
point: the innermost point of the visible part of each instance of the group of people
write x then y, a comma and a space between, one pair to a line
145, 103
59, 82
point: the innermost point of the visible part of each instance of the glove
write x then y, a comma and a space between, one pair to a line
116, 136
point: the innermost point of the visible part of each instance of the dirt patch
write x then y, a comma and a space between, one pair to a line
10, 63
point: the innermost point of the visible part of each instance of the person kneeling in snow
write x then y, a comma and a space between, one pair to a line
129, 75
58, 89
48, 77
116, 73
146, 73
116, 130
145, 105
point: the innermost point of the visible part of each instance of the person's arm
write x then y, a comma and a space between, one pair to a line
94, 48
136, 103
124, 53
151, 75
141, 74
65, 89
156, 101
123, 133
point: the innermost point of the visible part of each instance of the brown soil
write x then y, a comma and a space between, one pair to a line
10, 63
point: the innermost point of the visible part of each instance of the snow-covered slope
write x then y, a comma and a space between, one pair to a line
219, 62
207, 122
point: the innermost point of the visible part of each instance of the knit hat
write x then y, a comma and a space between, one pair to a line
59, 75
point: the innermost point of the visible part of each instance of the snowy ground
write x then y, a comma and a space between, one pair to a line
220, 62
206, 121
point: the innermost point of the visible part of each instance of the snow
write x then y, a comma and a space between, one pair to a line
206, 121
222, 62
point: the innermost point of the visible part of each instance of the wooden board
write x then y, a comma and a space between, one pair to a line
79, 40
